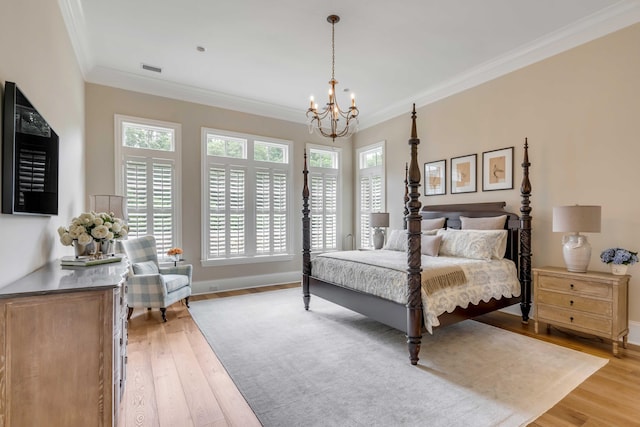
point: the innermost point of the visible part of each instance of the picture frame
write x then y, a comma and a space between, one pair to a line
435, 178
463, 174
497, 169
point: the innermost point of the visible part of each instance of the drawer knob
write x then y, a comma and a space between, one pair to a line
571, 302
571, 286
571, 318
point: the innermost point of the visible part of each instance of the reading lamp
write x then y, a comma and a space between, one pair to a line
378, 221
576, 219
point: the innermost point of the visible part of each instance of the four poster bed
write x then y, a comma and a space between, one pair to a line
409, 290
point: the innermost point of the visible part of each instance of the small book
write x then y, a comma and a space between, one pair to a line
85, 261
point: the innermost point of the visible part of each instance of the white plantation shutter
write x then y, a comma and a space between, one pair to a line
371, 179
246, 192
323, 202
148, 159
150, 194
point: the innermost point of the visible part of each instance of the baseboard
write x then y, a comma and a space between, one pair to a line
634, 327
244, 282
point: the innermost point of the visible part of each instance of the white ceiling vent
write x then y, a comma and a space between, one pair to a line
151, 68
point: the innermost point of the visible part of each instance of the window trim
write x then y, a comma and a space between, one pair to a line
383, 185
174, 156
250, 210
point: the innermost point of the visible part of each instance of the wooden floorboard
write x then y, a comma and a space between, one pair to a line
175, 379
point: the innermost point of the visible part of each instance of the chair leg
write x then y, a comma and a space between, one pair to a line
129, 312
163, 310
186, 301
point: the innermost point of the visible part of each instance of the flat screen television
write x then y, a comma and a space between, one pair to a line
29, 158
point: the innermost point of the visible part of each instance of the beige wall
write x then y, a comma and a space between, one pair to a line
35, 53
580, 111
103, 102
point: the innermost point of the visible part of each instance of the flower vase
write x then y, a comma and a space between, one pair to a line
106, 247
84, 250
619, 269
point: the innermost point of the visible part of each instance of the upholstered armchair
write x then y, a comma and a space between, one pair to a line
150, 285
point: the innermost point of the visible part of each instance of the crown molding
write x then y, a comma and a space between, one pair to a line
74, 19
606, 21
160, 87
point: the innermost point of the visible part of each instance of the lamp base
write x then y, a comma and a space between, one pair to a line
576, 252
378, 238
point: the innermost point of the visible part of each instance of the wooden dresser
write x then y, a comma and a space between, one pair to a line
63, 336
594, 303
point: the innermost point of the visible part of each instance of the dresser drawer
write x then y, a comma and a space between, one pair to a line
574, 319
574, 302
575, 286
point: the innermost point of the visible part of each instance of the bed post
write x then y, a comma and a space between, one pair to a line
306, 237
413, 219
406, 194
525, 238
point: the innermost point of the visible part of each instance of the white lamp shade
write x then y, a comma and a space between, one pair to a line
379, 219
109, 203
575, 219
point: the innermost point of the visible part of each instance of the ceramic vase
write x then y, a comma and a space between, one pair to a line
619, 269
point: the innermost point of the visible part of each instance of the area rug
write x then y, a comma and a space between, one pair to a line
332, 367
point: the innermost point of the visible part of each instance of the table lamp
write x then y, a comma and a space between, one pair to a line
379, 220
109, 203
576, 219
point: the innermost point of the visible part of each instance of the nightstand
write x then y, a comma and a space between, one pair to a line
594, 303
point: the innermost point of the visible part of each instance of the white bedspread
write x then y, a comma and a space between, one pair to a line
384, 273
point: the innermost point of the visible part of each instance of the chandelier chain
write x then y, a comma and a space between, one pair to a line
333, 50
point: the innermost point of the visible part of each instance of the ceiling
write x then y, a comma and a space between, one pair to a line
268, 57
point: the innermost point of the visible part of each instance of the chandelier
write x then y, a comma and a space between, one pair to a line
327, 121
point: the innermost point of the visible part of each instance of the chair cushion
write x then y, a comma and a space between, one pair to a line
175, 281
145, 267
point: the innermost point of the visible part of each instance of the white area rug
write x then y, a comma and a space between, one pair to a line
332, 367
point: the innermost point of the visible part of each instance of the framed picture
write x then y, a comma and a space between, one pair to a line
435, 178
463, 174
497, 169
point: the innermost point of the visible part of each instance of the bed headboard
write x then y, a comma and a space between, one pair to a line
452, 214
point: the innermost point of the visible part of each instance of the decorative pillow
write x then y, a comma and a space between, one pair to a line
474, 244
430, 245
431, 232
146, 267
397, 241
432, 224
483, 223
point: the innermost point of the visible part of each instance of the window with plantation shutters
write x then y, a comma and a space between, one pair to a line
371, 179
323, 166
148, 159
246, 194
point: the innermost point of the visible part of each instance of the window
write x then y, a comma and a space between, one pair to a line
323, 165
246, 198
148, 173
371, 189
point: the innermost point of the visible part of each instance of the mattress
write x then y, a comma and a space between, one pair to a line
383, 273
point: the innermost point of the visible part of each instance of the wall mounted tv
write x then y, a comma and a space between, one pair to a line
29, 158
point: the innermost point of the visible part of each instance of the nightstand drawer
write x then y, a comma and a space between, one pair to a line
575, 285
574, 302
573, 319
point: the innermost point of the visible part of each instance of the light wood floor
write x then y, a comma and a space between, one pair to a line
175, 379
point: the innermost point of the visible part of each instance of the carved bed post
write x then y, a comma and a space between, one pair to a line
306, 237
406, 194
525, 237
413, 219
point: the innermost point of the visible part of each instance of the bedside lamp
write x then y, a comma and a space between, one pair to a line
109, 203
576, 219
378, 221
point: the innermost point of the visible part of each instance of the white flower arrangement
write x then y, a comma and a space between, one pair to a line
90, 226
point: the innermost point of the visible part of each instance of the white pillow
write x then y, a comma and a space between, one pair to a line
397, 241
432, 224
474, 244
483, 223
430, 245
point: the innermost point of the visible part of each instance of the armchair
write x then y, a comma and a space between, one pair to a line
148, 284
